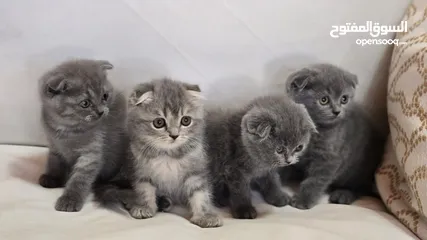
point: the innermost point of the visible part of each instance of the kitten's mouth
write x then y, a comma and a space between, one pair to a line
285, 164
333, 118
288, 162
91, 118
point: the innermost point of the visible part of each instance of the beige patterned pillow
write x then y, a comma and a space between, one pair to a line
402, 177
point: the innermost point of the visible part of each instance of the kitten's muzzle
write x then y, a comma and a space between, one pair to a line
100, 113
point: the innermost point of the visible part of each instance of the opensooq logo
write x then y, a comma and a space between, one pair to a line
374, 29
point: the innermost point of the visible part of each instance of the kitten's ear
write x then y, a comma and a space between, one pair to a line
56, 85
142, 94
298, 80
105, 65
308, 121
311, 126
194, 91
258, 124
352, 79
192, 87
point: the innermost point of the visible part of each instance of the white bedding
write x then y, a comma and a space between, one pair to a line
26, 212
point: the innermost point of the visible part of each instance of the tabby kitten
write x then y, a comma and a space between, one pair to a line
343, 157
84, 120
166, 127
247, 146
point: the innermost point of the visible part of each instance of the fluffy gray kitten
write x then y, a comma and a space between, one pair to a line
166, 127
343, 157
247, 146
84, 120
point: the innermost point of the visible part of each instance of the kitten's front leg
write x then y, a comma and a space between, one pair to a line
270, 188
320, 176
78, 186
145, 205
200, 200
240, 198
56, 171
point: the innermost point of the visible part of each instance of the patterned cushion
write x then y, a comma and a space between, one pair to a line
402, 177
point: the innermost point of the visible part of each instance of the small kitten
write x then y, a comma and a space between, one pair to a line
343, 157
166, 127
247, 146
84, 120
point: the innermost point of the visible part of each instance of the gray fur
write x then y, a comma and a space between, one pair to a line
165, 166
242, 147
86, 145
343, 157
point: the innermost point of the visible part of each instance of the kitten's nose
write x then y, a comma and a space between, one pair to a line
100, 113
336, 112
173, 136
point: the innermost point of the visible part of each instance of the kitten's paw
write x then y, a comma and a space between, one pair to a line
301, 203
279, 199
244, 212
342, 196
49, 181
142, 212
69, 203
209, 220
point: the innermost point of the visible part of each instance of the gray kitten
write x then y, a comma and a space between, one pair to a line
343, 157
166, 127
247, 146
84, 120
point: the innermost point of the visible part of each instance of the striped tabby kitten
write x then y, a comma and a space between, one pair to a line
166, 128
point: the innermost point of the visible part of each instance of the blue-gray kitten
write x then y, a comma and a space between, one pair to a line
343, 157
84, 120
247, 146
166, 127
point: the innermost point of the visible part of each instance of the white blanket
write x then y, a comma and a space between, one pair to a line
27, 212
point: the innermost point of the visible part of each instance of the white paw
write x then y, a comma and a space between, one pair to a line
142, 212
209, 220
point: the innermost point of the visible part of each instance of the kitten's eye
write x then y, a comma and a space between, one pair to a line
344, 99
185, 121
324, 100
280, 150
105, 97
159, 122
85, 103
299, 148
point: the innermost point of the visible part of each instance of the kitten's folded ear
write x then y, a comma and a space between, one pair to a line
311, 126
258, 124
192, 87
105, 65
298, 80
141, 94
308, 121
194, 91
55, 84
352, 79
